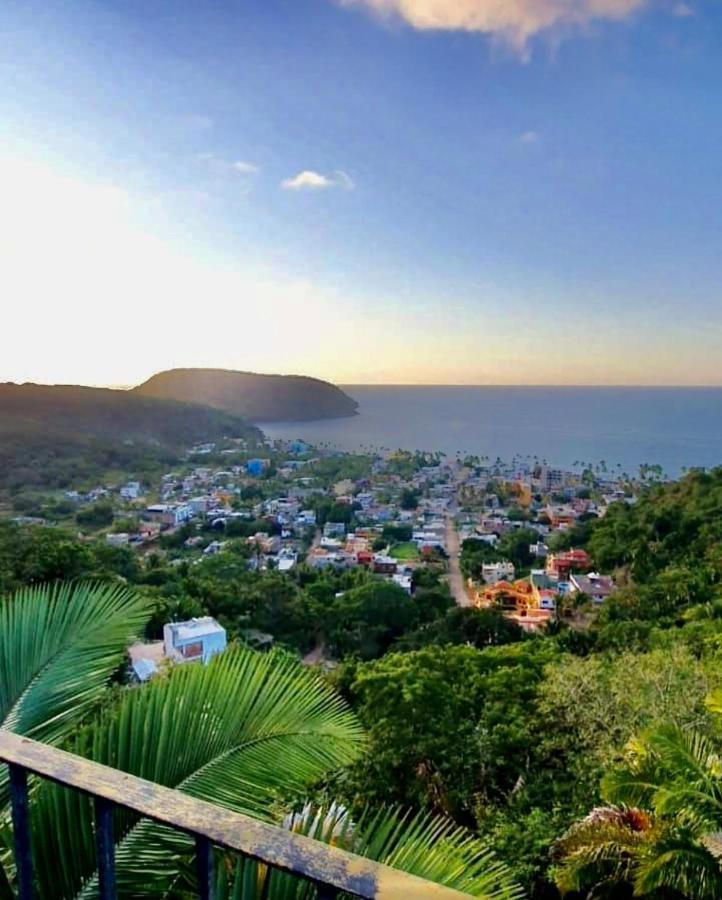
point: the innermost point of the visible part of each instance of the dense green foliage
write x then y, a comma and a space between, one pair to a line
68, 437
276, 729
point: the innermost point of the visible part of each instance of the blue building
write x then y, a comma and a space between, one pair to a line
195, 639
256, 467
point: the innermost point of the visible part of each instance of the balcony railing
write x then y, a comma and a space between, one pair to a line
331, 870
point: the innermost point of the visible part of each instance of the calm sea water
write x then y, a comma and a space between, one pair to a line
672, 427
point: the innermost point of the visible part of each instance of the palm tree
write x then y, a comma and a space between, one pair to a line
250, 732
662, 833
598, 854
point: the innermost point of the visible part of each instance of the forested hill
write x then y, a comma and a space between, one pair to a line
259, 398
665, 549
51, 435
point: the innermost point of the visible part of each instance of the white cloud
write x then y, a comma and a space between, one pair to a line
512, 20
245, 168
308, 180
529, 137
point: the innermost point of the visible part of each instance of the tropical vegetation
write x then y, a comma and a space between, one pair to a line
536, 746
251, 732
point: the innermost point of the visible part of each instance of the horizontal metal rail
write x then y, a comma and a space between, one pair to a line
333, 870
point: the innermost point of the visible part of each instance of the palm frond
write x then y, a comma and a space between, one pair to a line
246, 732
59, 645
675, 772
678, 861
427, 846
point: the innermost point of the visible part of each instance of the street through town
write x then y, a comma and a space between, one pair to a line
453, 549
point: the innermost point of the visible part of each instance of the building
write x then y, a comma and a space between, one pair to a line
171, 514
521, 601
560, 565
551, 479
117, 540
196, 639
597, 587
493, 573
131, 491
306, 518
257, 467
318, 558
384, 565
428, 539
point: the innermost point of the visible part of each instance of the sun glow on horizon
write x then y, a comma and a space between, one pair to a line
99, 297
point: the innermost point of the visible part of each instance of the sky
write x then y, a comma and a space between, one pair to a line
369, 191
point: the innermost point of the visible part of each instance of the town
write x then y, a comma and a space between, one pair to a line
500, 535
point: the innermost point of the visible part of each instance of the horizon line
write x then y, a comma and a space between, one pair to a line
405, 384
412, 384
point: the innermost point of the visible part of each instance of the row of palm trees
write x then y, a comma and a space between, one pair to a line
249, 732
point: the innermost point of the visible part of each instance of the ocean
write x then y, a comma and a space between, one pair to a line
675, 428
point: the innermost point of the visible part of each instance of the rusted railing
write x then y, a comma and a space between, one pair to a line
332, 870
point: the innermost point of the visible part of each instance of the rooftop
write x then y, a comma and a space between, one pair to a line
196, 628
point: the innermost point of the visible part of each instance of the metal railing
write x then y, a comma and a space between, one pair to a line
331, 870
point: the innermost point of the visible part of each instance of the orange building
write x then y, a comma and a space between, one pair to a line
521, 602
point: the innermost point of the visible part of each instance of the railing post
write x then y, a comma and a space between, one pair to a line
21, 831
204, 867
105, 846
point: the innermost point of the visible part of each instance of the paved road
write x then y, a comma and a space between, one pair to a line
456, 579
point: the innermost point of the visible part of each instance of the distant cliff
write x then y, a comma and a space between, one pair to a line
258, 398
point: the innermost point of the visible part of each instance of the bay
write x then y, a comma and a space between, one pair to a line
676, 428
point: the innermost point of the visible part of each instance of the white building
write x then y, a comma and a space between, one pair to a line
192, 640
493, 573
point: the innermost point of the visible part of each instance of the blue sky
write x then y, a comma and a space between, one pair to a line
369, 191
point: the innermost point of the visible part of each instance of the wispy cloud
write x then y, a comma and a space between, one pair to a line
245, 168
308, 180
512, 20
529, 137
221, 166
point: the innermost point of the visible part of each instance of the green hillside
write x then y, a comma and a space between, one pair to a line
258, 398
54, 436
